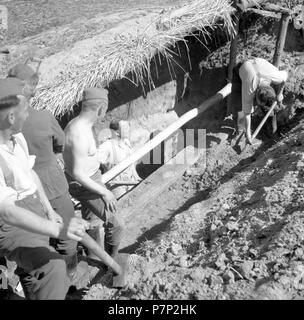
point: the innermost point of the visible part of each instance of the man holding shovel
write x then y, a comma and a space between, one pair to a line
252, 85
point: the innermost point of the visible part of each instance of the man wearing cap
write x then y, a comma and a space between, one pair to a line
44, 137
82, 167
27, 219
252, 85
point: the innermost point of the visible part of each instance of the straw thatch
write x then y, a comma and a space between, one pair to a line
134, 53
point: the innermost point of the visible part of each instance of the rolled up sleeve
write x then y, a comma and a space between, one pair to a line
249, 85
270, 72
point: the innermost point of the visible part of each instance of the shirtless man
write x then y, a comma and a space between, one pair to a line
82, 167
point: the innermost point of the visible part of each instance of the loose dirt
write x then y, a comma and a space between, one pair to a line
231, 228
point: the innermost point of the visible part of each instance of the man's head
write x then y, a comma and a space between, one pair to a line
28, 76
13, 112
95, 102
265, 96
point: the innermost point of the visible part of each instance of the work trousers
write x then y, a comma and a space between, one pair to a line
236, 92
63, 205
42, 270
93, 202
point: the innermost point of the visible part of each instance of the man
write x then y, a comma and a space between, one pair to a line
115, 150
45, 137
27, 219
82, 167
251, 85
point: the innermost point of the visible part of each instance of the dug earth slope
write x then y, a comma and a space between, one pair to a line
245, 240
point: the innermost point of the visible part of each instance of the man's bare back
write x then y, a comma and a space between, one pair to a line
80, 147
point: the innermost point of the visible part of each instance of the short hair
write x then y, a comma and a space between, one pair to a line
114, 125
266, 95
8, 102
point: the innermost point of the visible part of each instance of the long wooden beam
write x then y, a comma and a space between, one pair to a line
281, 39
150, 145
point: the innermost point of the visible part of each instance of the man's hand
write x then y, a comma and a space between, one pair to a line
280, 97
54, 216
110, 201
74, 230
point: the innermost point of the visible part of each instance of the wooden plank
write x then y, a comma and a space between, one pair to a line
281, 39
134, 202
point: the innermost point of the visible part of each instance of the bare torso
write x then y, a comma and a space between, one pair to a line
79, 133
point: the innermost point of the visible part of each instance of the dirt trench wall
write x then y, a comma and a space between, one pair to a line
145, 115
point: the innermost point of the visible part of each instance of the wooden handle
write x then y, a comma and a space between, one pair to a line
92, 245
258, 129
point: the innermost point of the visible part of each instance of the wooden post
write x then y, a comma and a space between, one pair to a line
232, 60
281, 38
233, 48
93, 246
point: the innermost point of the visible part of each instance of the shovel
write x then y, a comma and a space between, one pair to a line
240, 146
258, 129
119, 266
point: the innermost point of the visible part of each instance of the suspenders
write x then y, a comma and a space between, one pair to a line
7, 172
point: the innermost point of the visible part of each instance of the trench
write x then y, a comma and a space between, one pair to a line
223, 163
201, 84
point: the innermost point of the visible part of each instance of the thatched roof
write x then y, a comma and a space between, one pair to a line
132, 53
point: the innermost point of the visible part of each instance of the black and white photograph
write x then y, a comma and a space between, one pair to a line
151, 153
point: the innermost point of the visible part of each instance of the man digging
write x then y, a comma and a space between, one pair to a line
252, 85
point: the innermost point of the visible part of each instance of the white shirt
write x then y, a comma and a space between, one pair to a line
20, 163
255, 72
114, 151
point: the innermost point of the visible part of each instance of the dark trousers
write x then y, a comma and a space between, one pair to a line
63, 205
236, 92
41, 269
113, 225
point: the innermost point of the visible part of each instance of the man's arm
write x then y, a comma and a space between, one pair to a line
27, 220
103, 152
248, 127
79, 156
